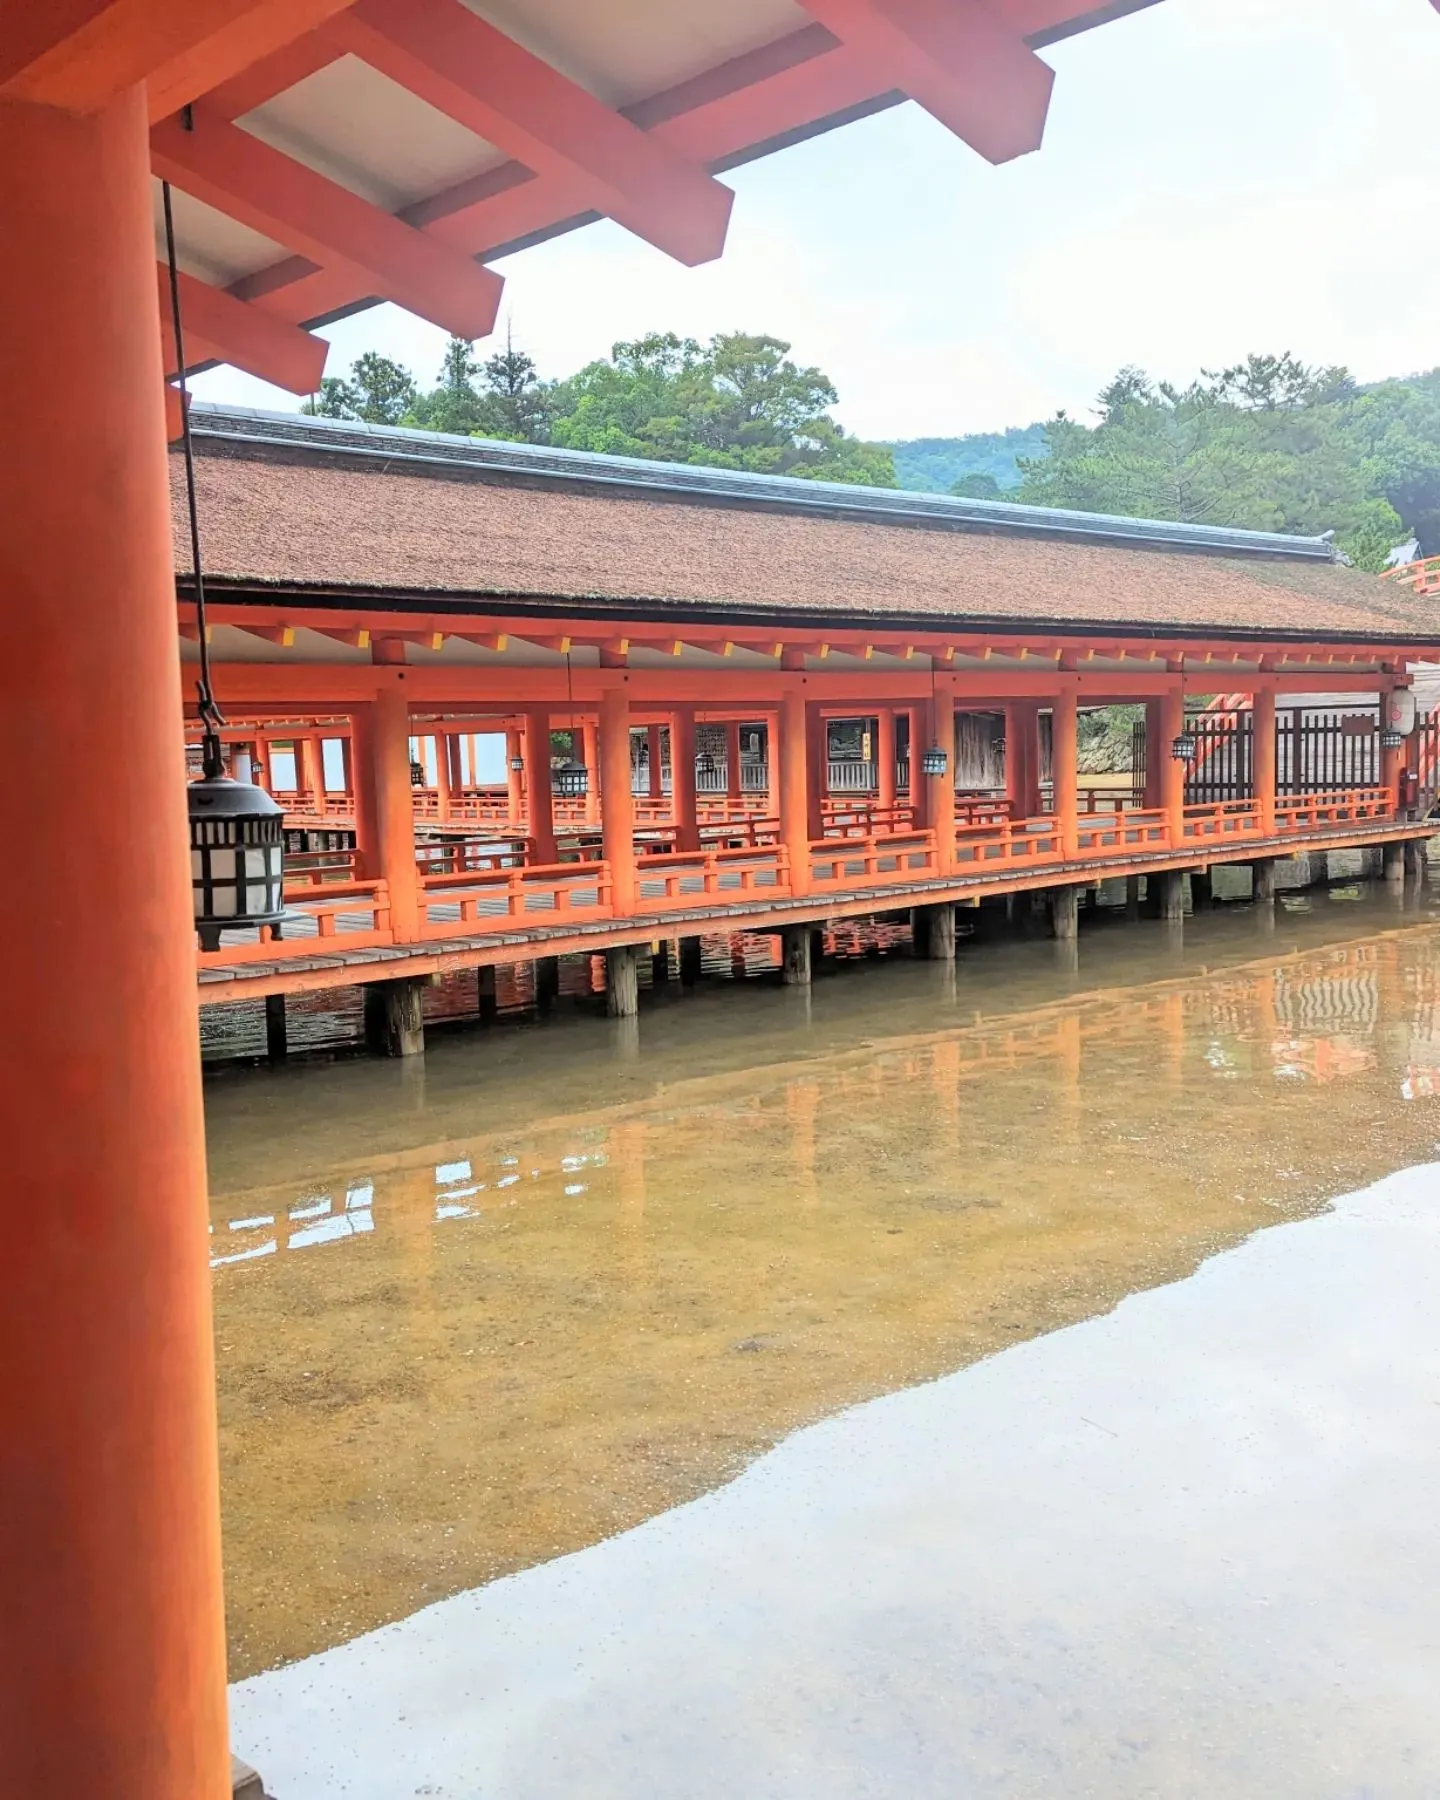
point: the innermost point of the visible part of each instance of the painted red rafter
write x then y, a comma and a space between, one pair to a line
974, 74
81, 54
216, 325
465, 68
229, 169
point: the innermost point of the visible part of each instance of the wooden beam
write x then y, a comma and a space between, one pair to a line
467, 69
227, 168
958, 60
216, 325
79, 55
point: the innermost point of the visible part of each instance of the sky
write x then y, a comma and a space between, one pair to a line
1218, 176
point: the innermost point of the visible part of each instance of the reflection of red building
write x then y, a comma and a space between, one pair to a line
1322, 1059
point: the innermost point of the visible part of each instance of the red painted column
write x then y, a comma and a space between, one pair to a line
514, 778
590, 754
539, 790
919, 796
362, 788
1169, 771
617, 798
795, 786
112, 1636
443, 774
1157, 748
940, 800
1392, 762
885, 757
654, 756
1065, 768
684, 801
1264, 758
734, 790
395, 811
817, 757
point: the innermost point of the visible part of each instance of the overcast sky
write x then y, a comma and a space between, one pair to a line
1218, 176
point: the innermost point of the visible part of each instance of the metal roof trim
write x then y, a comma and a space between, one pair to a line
893, 506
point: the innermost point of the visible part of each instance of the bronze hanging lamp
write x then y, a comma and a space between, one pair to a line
237, 846
572, 778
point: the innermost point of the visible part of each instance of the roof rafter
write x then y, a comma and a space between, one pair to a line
78, 55
216, 325
967, 69
229, 169
466, 68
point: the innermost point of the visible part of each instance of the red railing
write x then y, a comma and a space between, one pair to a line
1310, 812
887, 856
473, 855
353, 915
688, 877
1107, 834
1222, 820
491, 901
1005, 844
306, 870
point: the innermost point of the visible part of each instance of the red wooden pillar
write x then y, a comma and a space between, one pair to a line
347, 768
514, 778
1157, 748
684, 802
1392, 762
1170, 772
817, 758
443, 773
617, 798
590, 755
795, 786
112, 1637
539, 790
885, 755
919, 797
362, 789
734, 787
1263, 759
395, 812
1065, 768
940, 803
654, 756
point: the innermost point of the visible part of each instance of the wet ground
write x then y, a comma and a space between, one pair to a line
478, 1315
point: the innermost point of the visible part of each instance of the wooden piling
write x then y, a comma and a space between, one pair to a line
690, 961
622, 981
1171, 885
277, 1037
1262, 883
485, 986
395, 1018
938, 933
796, 942
1395, 865
547, 981
1065, 913
660, 964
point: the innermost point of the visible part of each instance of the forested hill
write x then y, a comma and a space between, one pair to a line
934, 465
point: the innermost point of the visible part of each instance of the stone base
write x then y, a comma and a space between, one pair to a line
245, 1784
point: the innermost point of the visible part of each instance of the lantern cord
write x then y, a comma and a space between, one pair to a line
570, 700
211, 717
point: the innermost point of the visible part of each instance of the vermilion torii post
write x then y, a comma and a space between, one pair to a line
111, 1626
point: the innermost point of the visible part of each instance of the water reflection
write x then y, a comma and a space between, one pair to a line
477, 1315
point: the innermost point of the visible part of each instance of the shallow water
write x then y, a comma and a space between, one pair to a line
480, 1313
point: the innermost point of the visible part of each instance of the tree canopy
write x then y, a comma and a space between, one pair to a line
1270, 444
738, 402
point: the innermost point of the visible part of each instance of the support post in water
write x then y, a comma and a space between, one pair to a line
277, 1040
485, 992
935, 932
1395, 865
1065, 914
1132, 896
1416, 868
660, 964
547, 981
1172, 894
795, 943
690, 960
622, 981
395, 1018
1262, 890
1202, 889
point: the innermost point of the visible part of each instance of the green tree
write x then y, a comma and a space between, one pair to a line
976, 487
379, 391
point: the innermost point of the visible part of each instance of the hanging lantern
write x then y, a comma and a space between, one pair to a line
934, 761
237, 853
517, 765
1392, 740
1185, 747
572, 780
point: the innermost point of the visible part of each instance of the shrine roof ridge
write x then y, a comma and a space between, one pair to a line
546, 465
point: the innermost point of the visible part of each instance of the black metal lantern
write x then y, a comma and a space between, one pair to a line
237, 853
572, 780
934, 761
517, 764
1185, 747
1392, 740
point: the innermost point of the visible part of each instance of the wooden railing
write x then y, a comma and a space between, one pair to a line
306, 870
1002, 844
473, 855
886, 856
868, 821
1221, 821
1108, 834
353, 915
690, 877
460, 904
1309, 812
